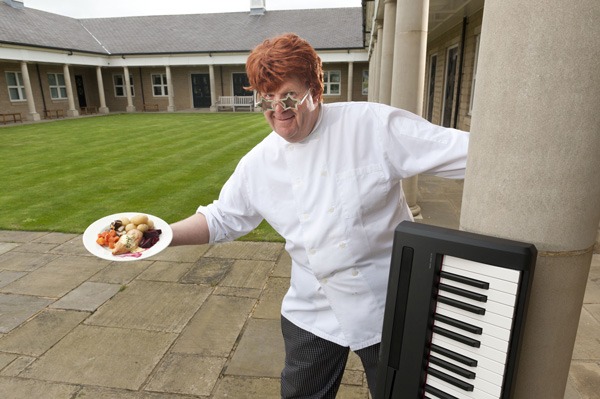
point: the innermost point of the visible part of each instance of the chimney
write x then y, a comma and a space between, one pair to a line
15, 4
257, 7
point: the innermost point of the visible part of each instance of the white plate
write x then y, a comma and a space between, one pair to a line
91, 235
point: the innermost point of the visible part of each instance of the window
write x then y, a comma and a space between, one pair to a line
365, 82
58, 89
159, 85
332, 82
240, 80
16, 88
431, 87
119, 81
474, 74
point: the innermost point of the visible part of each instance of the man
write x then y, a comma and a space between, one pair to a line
328, 179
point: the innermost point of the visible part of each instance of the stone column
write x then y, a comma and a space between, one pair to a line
377, 61
33, 115
130, 106
103, 108
408, 81
350, 80
213, 93
533, 165
387, 52
171, 95
72, 111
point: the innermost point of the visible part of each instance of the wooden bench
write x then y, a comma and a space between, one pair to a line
15, 117
150, 107
89, 110
234, 102
54, 113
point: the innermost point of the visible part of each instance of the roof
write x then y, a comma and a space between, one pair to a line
325, 29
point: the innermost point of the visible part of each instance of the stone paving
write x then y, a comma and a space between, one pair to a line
191, 322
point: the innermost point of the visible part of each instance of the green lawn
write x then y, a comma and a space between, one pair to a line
63, 175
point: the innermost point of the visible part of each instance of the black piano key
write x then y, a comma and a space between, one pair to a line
459, 291
438, 393
459, 324
466, 280
451, 380
461, 305
457, 337
452, 367
457, 357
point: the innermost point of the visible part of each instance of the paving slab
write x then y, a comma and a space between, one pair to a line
7, 236
7, 277
58, 277
165, 271
587, 343
55, 238
208, 271
89, 392
269, 251
24, 262
16, 309
88, 297
109, 357
215, 329
152, 305
41, 333
232, 387
269, 305
186, 374
121, 272
248, 274
7, 246
584, 378
20, 388
260, 352
186, 253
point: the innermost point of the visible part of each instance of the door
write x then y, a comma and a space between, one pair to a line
449, 87
240, 80
201, 90
80, 91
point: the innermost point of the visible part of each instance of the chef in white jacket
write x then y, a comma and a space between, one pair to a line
328, 180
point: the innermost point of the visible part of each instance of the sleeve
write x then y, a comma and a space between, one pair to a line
231, 215
415, 146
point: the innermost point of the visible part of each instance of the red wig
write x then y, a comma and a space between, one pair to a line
283, 57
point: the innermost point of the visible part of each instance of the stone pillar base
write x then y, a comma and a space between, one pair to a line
415, 210
130, 108
72, 112
33, 116
103, 110
171, 108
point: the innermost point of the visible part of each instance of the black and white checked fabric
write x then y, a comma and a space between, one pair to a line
314, 366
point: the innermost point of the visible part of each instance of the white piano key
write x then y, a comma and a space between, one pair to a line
489, 329
481, 372
482, 268
478, 383
491, 318
495, 363
493, 295
460, 394
484, 339
495, 283
493, 307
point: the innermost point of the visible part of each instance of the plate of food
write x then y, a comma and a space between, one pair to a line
127, 236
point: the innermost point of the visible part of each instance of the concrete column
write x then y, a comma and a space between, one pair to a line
534, 163
350, 80
130, 106
387, 52
72, 111
378, 51
103, 108
171, 95
33, 115
408, 81
213, 93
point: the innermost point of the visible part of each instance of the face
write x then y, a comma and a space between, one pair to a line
293, 125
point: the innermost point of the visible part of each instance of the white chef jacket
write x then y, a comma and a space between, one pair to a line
336, 198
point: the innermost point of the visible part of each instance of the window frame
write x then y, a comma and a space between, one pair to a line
163, 86
19, 87
327, 83
60, 90
122, 86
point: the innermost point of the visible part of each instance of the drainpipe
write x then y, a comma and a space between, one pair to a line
460, 70
37, 68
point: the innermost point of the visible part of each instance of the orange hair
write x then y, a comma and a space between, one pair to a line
280, 58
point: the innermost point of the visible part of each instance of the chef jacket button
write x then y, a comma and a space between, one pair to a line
324, 281
290, 147
331, 209
324, 172
305, 217
312, 251
355, 272
342, 245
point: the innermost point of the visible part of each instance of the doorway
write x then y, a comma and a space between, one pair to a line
80, 91
201, 90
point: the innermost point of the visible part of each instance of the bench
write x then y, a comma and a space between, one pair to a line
54, 113
234, 102
89, 110
150, 107
16, 117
